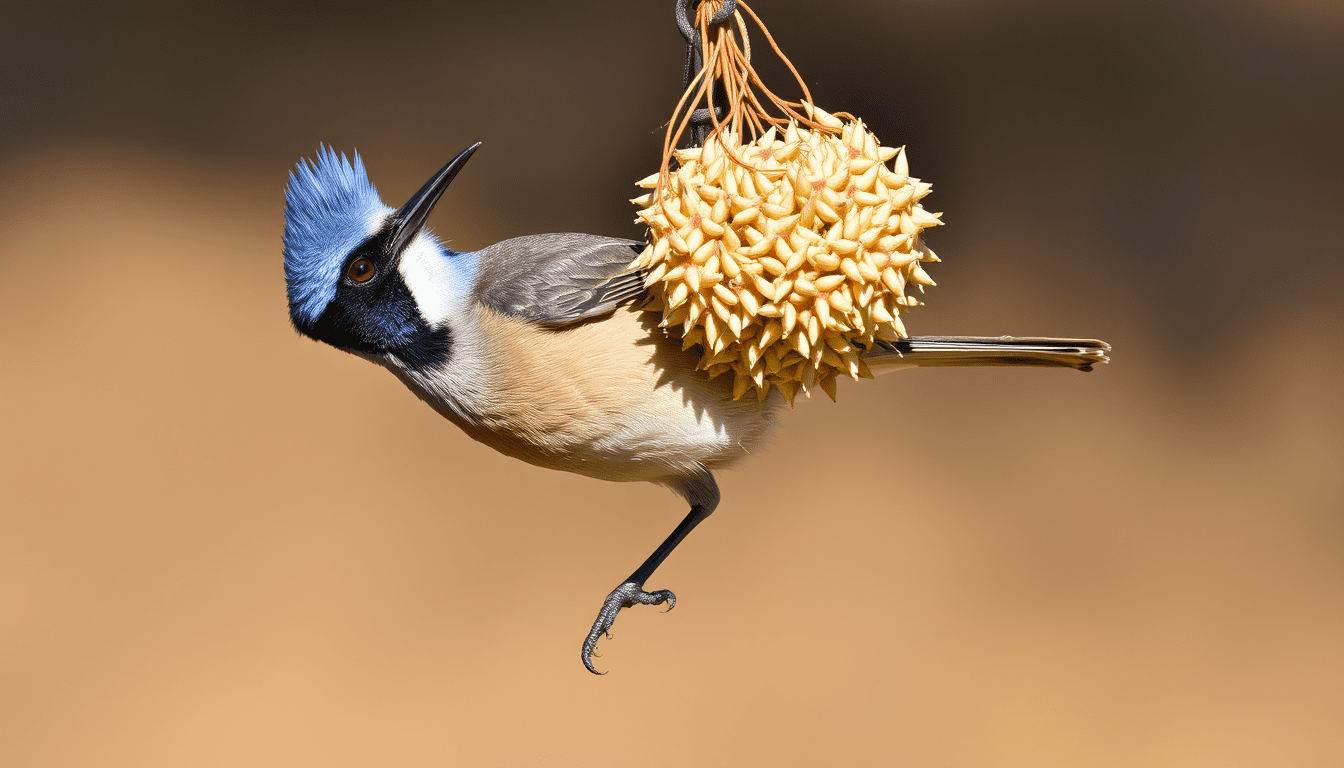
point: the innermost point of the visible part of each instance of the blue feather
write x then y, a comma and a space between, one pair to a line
330, 207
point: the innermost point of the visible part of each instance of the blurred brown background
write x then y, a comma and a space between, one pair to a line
224, 545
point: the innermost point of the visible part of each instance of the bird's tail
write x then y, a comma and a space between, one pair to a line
946, 351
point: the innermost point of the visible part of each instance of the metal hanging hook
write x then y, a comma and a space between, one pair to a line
687, 26
700, 118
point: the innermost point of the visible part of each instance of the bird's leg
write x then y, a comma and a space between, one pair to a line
705, 497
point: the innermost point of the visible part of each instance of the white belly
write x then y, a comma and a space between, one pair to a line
614, 399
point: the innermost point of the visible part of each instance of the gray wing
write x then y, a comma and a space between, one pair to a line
555, 280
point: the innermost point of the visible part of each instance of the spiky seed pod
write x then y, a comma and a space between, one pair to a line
786, 257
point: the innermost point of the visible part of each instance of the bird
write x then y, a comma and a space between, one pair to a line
540, 346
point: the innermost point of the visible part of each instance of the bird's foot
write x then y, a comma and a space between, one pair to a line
628, 594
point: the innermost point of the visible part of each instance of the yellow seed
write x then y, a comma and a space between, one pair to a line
735, 324
762, 246
850, 268
693, 277
826, 213
751, 355
749, 302
655, 274
692, 337
823, 259
840, 300
805, 234
740, 384
783, 225
731, 242
677, 242
822, 307
828, 386
902, 259
790, 318
901, 197
715, 170
774, 331
675, 215
679, 293
867, 272
800, 341
858, 166
729, 265
707, 193
829, 357
899, 326
724, 294
868, 198
838, 180
765, 287
832, 199
918, 275
852, 227
837, 343
865, 182
893, 280
925, 219
845, 246
694, 239
813, 329
829, 282
689, 154
870, 146
894, 242
703, 252
823, 117
773, 266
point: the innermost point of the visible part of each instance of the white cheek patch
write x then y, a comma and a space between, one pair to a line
437, 281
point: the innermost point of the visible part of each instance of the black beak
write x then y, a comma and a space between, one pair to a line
409, 218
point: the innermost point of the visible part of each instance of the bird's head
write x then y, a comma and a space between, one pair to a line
364, 277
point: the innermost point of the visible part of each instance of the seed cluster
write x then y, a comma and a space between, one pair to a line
785, 257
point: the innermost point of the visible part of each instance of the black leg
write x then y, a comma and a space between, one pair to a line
704, 496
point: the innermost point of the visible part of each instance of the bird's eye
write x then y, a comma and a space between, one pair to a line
360, 270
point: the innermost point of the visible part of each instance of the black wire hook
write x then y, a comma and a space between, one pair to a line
700, 121
687, 27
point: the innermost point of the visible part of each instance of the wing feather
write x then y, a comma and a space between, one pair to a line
556, 280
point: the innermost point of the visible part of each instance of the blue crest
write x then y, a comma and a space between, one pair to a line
330, 207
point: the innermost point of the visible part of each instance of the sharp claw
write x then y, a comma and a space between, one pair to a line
625, 596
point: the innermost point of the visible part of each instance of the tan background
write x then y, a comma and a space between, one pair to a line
224, 545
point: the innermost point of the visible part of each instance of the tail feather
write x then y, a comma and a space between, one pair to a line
947, 351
